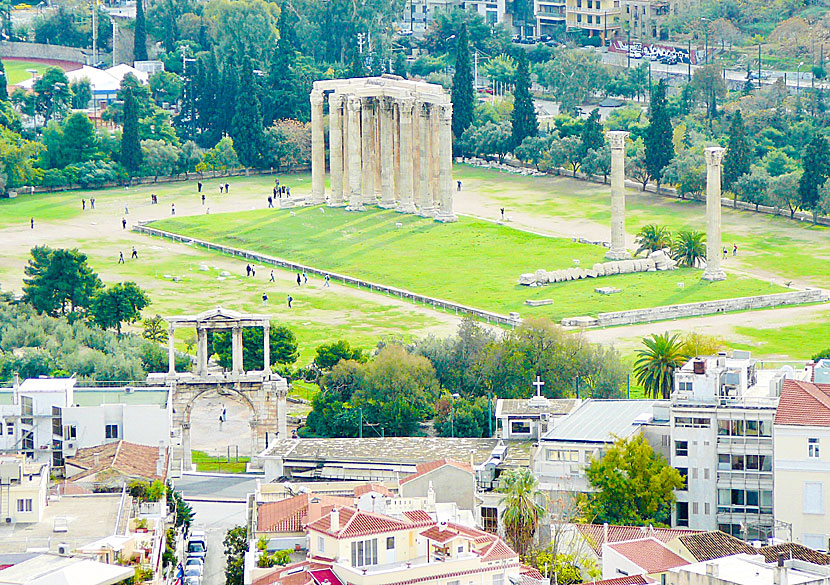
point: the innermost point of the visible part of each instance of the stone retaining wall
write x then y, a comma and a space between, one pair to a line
41, 51
697, 309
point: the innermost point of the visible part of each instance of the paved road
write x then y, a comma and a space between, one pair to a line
224, 487
216, 519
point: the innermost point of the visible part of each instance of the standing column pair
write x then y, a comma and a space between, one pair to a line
318, 150
445, 213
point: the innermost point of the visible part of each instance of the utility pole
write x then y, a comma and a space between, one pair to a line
690, 59
94, 33
361, 37
475, 69
114, 34
759, 65
628, 52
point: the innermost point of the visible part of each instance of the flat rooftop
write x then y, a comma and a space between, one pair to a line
98, 396
88, 518
744, 569
595, 421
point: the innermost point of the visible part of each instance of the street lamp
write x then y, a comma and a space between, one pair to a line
705, 22
798, 78
452, 413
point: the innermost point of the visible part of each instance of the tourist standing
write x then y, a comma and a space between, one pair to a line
33, 222
172, 209
264, 299
459, 185
91, 201
734, 249
327, 281
290, 298
203, 198
134, 255
305, 278
270, 202
248, 269
121, 257
299, 283
123, 223
83, 204
199, 187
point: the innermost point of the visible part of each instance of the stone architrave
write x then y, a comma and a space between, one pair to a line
353, 109
406, 162
425, 203
445, 213
367, 149
318, 150
616, 140
387, 164
336, 149
714, 157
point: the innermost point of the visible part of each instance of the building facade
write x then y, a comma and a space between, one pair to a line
594, 17
23, 490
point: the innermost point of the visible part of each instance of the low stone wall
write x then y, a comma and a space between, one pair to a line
658, 260
697, 309
41, 51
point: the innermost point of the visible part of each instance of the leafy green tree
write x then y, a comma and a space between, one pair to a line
597, 162
4, 89
463, 417
281, 341
752, 188
501, 68
709, 86
592, 137
154, 329
532, 150
737, 160
190, 155
130, 142
523, 118
658, 137
329, 354
81, 93
53, 95
816, 164
166, 86
689, 248
688, 172
656, 363
118, 304
246, 128
56, 278
776, 162
220, 157
236, 545
140, 33
522, 511
399, 65
572, 76
653, 237
158, 158
79, 141
782, 192
635, 166
634, 485
462, 86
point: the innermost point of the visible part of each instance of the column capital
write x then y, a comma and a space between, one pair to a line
714, 155
424, 109
406, 104
186, 425
353, 103
616, 138
316, 98
335, 99
385, 102
445, 113
367, 101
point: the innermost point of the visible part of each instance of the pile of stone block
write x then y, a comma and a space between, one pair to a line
658, 260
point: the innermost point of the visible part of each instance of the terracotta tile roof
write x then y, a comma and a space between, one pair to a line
497, 551
714, 545
122, 457
418, 516
291, 514
649, 554
593, 534
424, 468
804, 403
629, 580
438, 535
530, 572
793, 550
359, 523
373, 487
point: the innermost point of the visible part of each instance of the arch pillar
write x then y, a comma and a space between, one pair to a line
187, 455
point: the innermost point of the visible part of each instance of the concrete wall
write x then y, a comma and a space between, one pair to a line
703, 308
140, 424
450, 484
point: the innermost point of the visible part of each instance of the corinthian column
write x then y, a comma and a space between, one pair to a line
336, 149
387, 161
367, 135
714, 156
616, 139
445, 213
406, 204
353, 109
426, 208
318, 150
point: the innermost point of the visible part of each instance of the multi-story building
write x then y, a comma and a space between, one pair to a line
802, 462
646, 19
419, 14
47, 419
595, 17
550, 16
23, 490
722, 412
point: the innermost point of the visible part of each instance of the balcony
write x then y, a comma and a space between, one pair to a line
413, 564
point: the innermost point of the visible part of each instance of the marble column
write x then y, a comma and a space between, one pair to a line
336, 149
406, 161
367, 148
353, 110
387, 195
171, 351
254, 439
318, 150
187, 455
376, 150
425, 205
282, 414
445, 212
201, 351
616, 140
714, 249
396, 153
266, 348
435, 149
236, 350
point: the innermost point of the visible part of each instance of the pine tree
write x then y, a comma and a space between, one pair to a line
524, 114
130, 142
658, 138
140, 35
736, 161
4, 89
357, 67
281, 92
462, 86
816, 164
246, 126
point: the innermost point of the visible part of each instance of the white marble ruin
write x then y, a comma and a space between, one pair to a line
616, 140
714, 157
390, 144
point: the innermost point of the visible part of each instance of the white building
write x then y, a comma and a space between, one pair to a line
722, 410
744, 569
48, 418
23, 490
802, 462
530, 418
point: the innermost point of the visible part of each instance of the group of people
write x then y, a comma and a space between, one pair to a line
279, 191
133, 256
726, 251
91, 203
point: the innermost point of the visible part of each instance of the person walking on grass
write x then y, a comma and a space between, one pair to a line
299, 283
734, 249
199, 188
172, 209
290, 298
203, 198
270, 202
327, 281
227, 188
123, 223
264, 299
32, 221
83, 204
272, 276
121, 257
134, 255
305, 278
248, 269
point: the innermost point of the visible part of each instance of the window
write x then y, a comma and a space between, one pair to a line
111, 431
694, 472
682, 513
737, 497
578, 17
520, 427
365, 553
490, 519
321, 544
28, 440
57, 425
689, 422
753, 463
736, 428
812, 448
695, 508
460, 549
752, 428
70, 433
684, 386
723, 428
9, 428
1, 429
684, 473
766, 501
498, 579
563, 455
813, 497
26, 406
752, 500
390, 542
681, 448
24, 505
706, 510
456, 582
705, 473
737, 462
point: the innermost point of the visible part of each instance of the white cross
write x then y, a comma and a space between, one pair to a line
538, 383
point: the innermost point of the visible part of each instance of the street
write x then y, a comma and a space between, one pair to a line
227, 487
216, 519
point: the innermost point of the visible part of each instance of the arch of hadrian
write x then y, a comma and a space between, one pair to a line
390, 144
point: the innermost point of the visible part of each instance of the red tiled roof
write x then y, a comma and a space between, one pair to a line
593, 534
435, 533
372, 487
359, 523
629, 580
793, 550
497, 551
293, 574
424, 468
418, 516
707, 546
804, 403
649, 554
530, 572
291, 514
123, 457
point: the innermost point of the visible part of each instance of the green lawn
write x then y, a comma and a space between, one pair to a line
219, 464
473, 262
16, 70
795, 342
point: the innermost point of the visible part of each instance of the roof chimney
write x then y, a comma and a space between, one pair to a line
472, 458
780, 575
96, 459
605, 532
712, 569
335, 520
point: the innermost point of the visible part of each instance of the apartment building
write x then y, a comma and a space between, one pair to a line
23, 490
595, 17
646, 19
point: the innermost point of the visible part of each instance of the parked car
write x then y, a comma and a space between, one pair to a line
196, 549
193, 571
194, 562
198, 536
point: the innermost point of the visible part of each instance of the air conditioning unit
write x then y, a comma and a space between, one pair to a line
8, 520
63, 549
129, 390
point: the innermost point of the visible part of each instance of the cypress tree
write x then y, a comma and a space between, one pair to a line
462, 86
130, 142
524, 114
816, 164
246, 126
658, 137
736, 159
592, 137
140, 37
4, 89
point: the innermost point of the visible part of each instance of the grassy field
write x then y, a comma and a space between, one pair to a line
16, 70
213, 464
472, 261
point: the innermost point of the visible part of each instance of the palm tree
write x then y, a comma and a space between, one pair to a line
653, 237
656, 363
521, 510
154, 330
689, 248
